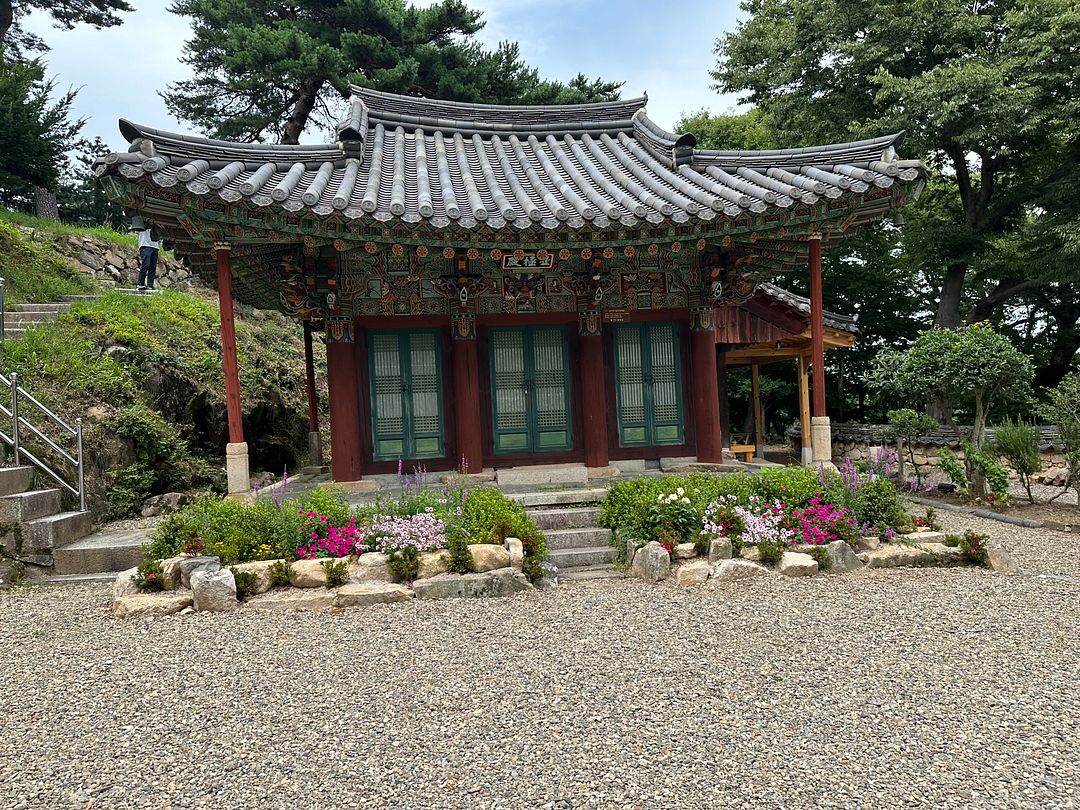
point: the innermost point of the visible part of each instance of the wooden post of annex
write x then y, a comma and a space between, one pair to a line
722, 391
820, 429
344, 391
314, 440
237, 470
467, 419
593, 388
759, 414
710, 445
804, 409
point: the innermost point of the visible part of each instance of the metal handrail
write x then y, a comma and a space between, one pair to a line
20, 423
3, 311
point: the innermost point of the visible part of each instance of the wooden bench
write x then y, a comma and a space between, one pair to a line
740, 448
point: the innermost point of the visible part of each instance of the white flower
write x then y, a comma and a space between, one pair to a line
684, 500
660, 498
680, 491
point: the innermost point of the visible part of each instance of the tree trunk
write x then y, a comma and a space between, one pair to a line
1065, 315
7, 17
45, 205
307, 95
948, 312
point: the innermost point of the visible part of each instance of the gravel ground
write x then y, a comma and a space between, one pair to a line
917, 688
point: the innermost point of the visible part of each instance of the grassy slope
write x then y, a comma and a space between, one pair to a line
147, 369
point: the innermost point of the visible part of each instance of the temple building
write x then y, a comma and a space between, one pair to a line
502, 286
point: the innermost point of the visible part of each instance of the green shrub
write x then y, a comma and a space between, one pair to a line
461, 561
953, 469
626, 506
1018, 442
337, 572
952, 540
821, 557
488, 516
149, 576
973, 548
404, 564
879, 504
247, 583
324, 501
997, 478
793, 486
280, 573
771, 552
1063, 410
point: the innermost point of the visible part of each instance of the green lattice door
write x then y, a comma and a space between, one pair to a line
648, 391
530, 392
406, 395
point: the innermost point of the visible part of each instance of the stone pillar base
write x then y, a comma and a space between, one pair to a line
821, 440
314, 446
237, 470
808, 457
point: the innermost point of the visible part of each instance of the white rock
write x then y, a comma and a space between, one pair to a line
261, 570
516, 549
152, 604
752, 553
731, 570
842, 558
307, 574
125, 584
189, 565
651, 563
374, 566
433, 563
357, 594
1001, 561
214, 591
693, 573
794, 564
488, 557
685, 551
719, 549
290, 599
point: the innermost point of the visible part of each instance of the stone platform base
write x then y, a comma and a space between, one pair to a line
542, 474
361, 486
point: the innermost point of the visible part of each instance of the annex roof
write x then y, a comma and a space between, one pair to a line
423, 162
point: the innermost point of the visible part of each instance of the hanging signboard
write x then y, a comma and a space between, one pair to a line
528, 260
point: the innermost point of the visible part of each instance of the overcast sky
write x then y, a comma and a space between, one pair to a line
666, 52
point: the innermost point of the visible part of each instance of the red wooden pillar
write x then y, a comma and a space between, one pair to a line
593, 391
314, 440
703, 383
344, 385
237, 469
820, 427
817, 326
467, 419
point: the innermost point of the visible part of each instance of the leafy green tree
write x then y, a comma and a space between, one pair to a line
64, 13
1018, 442
905, 426
266, 68
985, 91
749, 130
1063, 410
35, 131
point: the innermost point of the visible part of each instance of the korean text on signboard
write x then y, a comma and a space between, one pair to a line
528, 260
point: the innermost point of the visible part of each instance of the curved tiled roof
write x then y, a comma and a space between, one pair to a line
439, 162
801, 304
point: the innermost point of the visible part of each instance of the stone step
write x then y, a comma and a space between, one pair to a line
14, 480
23, 507
102, 552
590, 572
82, 579
580, 557
561, 497
56, 306
575, 517
542, 475
57, 531
563, 539
69, 299
13, 332
28, 316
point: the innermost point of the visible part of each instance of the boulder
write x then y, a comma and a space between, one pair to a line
433, 563
693, 573
731, 570
1001, 561
499, 582
307, 574
214, 591
488, 557
923, 555
190, 565
124, 585
868, 543
751, 553
651, 563
719, 549
374, 566
164, 603
170, 569
841, 558
289, 599
358, 594
160, 504
685, 551
794, 564
922, 536
261, 570
516, 549
440, 586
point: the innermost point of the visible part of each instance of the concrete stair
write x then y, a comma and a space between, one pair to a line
567, 518
104, 553
19, 318
34, 526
